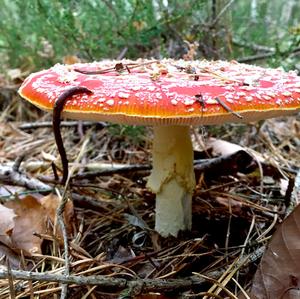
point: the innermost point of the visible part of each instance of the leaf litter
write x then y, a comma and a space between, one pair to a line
25, 221
278, 274
235, 212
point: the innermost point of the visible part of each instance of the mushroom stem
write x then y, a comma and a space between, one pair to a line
172, 179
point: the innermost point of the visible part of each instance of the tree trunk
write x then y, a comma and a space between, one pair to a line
221, 29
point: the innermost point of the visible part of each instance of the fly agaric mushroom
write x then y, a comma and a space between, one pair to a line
170, 96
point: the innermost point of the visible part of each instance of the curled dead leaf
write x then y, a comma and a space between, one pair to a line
6, 223
6, 254
222, 147
29, 217
278, 275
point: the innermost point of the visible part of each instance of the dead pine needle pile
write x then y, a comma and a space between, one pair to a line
247, 183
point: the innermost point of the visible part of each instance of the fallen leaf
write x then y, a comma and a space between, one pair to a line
30, 219
6, 223
7, 254
222, 147
29, 215
50, 203
225, 165
278, 274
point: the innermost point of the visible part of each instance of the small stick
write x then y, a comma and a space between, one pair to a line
227, 108
17, 163
60, 220
57, 110
118, 67
54, 170
10, 281
114, 284
9, 176
48, 124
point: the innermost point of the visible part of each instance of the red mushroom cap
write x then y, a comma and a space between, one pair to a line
167, 92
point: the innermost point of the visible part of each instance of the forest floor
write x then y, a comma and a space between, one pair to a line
239, 201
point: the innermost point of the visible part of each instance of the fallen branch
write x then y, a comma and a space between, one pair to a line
48, 124
252, 46
239, 161
267, 55
113, 284
112, 169
12, 177
256, 57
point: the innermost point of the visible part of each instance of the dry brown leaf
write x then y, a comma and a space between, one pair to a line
6, 254
30, 219
222, 147
32, 215
278, 275
7, 223
50, 204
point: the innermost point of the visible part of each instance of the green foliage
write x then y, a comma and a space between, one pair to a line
35, 34
38, 33
134, 134
273, 24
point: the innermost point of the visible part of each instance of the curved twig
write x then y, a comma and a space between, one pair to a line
57, 110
